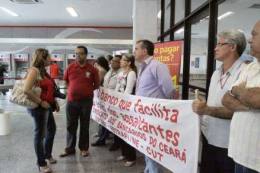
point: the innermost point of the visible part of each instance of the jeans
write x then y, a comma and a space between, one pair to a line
78, 110
241, 169
50, 134
39, 116
152, 166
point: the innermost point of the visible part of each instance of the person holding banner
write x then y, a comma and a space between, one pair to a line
244, 100
153, 81
110, 81
126, 81
215, 118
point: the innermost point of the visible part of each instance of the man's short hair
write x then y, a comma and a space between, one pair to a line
148, 45
109, 57
118, 56
236, 37
84, 48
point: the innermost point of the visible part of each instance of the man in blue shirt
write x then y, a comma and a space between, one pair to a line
153, 81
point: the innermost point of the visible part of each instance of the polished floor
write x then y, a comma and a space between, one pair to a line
17, 153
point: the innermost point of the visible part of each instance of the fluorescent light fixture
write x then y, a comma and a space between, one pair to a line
9, 11
159, 15
72, 12
204, 19
240, 30
179, 31
64, 41
225, 15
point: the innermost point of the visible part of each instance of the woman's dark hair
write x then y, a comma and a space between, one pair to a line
130, 58
39, 57
103, 62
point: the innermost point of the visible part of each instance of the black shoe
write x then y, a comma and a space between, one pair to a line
113, 147
98, 143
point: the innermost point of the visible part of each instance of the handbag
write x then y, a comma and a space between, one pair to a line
57, 92
20, 98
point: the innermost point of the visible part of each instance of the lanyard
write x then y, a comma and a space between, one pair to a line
223, 79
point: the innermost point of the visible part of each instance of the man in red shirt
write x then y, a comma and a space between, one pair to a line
54, 70
81, 79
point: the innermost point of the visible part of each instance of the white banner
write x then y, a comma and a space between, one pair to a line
165, 130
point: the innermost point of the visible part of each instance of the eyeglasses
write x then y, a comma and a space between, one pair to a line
115, 61
221, 44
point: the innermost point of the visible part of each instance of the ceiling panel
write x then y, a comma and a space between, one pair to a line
53, 12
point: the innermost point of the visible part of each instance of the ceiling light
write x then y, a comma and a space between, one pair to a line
204, 19
225, 15
159, 15
240, 30
9, 11
72, 12
179, 31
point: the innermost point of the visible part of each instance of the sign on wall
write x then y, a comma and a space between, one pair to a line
5, 57
21, 57
57, 57
71, 56
167, 131
198, 64
169, 53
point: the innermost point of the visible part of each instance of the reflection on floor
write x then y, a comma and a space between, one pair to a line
17, 153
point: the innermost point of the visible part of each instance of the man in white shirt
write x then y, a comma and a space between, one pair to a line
244, 100
215, 118
110, 81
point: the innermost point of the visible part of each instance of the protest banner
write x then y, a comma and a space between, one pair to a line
165, 130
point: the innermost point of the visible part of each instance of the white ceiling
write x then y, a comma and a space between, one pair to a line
104, 19
53, 12
108, 13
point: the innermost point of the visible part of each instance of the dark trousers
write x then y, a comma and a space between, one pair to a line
50, 134
242, 169
128, 151
78, 111
117, 140
43, 127
103, 134
215, 159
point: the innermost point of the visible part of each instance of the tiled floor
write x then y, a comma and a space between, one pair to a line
17, 153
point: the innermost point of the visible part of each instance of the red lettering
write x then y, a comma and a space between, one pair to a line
125, 105
154, 154
174, 116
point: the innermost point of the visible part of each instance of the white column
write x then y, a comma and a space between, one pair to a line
145, 21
